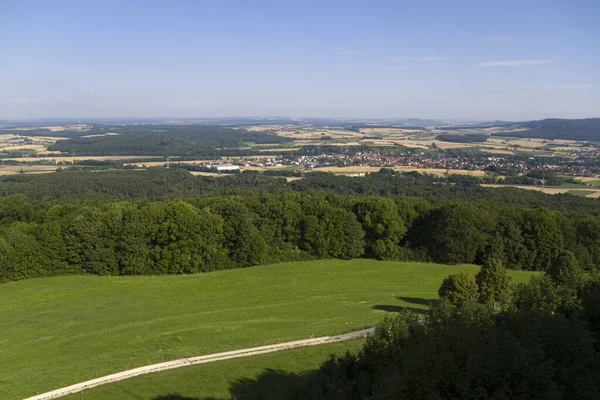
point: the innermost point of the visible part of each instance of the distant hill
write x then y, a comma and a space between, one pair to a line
554, 128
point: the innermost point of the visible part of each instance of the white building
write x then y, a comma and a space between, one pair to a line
224, 167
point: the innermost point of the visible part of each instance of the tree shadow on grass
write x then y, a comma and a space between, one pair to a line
392, 308
418, 300
271, 384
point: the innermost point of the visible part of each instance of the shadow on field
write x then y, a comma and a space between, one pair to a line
418, 300
412, 300
390, 308
270, 385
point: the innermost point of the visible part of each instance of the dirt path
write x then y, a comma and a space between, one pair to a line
184, 362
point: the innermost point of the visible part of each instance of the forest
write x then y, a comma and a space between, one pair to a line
221, 231
473, 138
167, 140
174, 183
555, 128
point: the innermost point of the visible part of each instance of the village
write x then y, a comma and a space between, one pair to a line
584, 167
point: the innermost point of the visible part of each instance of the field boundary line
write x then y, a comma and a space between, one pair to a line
204, 359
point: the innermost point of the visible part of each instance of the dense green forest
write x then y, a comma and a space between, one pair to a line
174, 183
474, 138
554, 128
539, 343
165, 140
215, 232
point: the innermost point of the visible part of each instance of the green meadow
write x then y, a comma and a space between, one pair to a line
59, 331
268, 373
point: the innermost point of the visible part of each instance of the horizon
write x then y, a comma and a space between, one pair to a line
466, 61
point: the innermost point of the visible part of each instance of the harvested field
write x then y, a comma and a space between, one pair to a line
213, 174
103, 134
550, 190
33, 169
59, 158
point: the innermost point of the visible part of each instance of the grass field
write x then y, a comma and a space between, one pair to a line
60, 331
220, 380
581, 193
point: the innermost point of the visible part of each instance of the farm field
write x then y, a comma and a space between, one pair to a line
28, 169
64, 330
582, 193
573, 189
365, 169
424, 139
218, 381
59, 158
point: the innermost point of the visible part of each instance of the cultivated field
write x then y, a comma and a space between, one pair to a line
64, 330
424, 139
589, 191
28, 169
352, 170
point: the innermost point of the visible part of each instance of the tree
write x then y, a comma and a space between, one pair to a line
539, 296
565, 270
458, 289
453, 233
495, 285
383, 227
543, 238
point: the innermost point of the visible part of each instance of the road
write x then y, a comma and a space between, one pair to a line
185, 362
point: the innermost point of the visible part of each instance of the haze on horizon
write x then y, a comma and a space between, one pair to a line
509, 60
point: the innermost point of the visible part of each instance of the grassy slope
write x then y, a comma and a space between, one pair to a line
60, 331
214, 381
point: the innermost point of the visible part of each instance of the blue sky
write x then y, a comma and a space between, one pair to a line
481, 60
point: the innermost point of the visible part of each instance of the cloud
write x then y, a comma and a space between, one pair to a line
396, 67
436, 58
498, 38
513, 63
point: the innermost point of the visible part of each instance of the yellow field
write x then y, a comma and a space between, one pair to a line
496, 151
36, 147
48, 138
588, 179
201, 173
278, 149
390, 131
548, 190
161, 163
465, 172
33, 169
365, 169
78, 158
103, 134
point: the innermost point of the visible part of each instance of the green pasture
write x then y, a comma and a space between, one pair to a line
274, 373
59, 331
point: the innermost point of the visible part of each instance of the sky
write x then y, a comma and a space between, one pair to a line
463, 60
